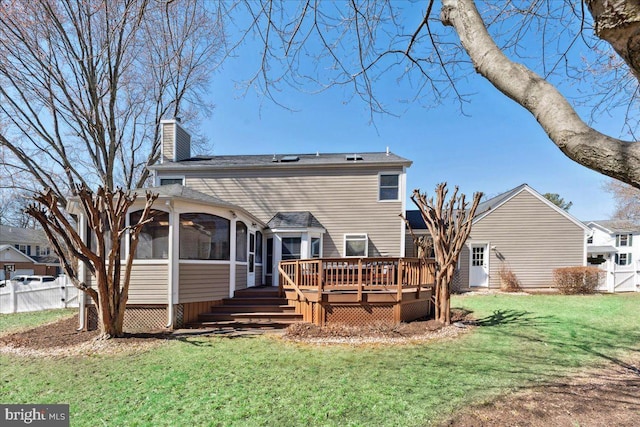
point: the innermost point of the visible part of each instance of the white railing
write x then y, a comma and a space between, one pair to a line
16, 297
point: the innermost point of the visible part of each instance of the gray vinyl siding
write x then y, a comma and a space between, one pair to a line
241, 276
533, 239
183, 144
344, 200
203, 282
148, 284
172, 134
168, 136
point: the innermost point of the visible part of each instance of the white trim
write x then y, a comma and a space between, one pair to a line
344, 245
204, 261
403, 232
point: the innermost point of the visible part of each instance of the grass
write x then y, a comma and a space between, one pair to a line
19, 321
255, 381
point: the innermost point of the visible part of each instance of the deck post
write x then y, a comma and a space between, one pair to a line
360, 280
420, 266
296, 275
399, 279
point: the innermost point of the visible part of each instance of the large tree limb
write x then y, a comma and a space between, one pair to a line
613, 157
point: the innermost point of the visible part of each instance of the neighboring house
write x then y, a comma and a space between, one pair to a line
32, 243
518, 230
223, 223
614, 246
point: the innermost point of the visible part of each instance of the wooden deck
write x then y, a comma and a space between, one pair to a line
358, 291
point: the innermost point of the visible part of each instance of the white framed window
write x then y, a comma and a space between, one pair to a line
623, 259
153, 240
356, 245
389, 187
623, 239
590, 240
291, 248
316, 246
25, 249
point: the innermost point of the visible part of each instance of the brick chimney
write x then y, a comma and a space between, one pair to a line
176, 142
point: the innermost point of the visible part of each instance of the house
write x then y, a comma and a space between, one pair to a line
614, 246
518, 230
223, 223
31, 255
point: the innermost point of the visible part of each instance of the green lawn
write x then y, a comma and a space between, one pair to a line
255, 381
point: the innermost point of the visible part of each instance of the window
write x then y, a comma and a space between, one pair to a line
169, 181
356, 245
291, 248
204, 236
25, 249
154, 237
241, 241
315, 247
389, 187
623, 240
623, 259
477, 256
258, 247
590, 240
43, 251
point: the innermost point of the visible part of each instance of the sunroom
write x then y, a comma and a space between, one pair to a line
197, 250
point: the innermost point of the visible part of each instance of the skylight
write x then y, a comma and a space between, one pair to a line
353, 157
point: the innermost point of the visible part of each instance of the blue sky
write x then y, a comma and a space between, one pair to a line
496, 146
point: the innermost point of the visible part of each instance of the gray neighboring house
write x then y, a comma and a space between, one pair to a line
223, 223
520, 230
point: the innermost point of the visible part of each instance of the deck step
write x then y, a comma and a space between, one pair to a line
262, 292
254, 301
252, 308
241, 324
250, 317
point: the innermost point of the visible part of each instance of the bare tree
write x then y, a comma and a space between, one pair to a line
449, 224
627, 201
83, 87
355, 44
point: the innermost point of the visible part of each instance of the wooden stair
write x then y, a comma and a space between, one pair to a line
258, 307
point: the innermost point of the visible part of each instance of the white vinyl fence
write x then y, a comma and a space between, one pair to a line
622, 279
16, 297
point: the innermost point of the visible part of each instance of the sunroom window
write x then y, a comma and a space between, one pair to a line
241, 241
154, 236
204, 236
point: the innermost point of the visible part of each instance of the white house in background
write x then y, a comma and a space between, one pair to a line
614, 245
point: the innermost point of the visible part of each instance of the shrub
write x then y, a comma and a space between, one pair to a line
508, 280
577, 280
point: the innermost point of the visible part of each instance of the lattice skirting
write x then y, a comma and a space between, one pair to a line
415, 310
361, 314
137, 318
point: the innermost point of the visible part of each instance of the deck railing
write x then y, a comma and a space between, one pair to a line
356, 274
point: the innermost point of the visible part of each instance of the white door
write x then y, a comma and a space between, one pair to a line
479, 265
251, 273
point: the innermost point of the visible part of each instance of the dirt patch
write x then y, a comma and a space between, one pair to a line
597, 397
61, 339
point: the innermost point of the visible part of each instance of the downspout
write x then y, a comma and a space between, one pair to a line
171, 282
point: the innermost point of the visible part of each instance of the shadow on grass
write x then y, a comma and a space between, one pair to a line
508, 317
